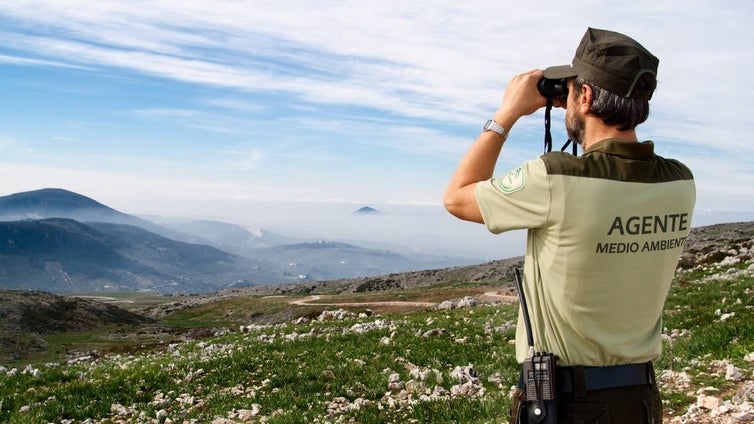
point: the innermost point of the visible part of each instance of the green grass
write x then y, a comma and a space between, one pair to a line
295, 380
697, 303
300, 377
698, 307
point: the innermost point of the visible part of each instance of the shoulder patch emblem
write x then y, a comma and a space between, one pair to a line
513, 181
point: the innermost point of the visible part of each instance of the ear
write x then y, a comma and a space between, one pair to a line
584, 99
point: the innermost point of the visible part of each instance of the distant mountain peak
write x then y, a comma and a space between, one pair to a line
366, 210
46, 199
59, 203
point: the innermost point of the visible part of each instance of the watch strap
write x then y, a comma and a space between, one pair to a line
493, 126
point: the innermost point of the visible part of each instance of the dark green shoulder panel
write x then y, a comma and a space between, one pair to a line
655, 169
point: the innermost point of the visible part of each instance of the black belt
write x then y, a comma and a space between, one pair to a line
598, 378
579, 378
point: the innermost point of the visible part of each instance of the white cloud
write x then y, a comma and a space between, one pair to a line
25, 61
406, 58
414, 58
301, 90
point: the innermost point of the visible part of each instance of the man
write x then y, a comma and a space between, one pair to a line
605, 229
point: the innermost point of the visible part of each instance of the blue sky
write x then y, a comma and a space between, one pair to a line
290, 114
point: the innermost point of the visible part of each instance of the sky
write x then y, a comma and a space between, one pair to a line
289, 115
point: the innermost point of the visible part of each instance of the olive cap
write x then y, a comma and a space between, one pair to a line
612, 61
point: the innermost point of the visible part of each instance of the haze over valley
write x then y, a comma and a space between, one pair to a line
60, 241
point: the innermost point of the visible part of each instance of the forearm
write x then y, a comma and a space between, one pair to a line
521, 98
478, 164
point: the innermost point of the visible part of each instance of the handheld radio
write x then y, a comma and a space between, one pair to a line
539, 373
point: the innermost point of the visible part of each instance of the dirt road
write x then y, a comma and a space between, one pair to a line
314, 300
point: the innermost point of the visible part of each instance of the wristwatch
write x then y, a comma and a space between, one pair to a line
495, 127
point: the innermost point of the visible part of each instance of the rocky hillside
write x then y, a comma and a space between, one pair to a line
730, 242
25, 316
45, 313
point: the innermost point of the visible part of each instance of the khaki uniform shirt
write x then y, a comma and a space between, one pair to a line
605, 232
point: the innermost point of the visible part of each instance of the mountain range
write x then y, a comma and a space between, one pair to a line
59, 241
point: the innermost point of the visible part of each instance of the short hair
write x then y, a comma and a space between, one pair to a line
615, 110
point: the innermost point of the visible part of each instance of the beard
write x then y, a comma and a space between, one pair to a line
575, 126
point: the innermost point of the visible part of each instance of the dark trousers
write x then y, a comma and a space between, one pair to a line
621, 405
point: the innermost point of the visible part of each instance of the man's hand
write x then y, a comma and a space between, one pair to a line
521, 96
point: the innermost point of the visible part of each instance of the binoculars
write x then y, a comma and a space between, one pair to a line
553, 88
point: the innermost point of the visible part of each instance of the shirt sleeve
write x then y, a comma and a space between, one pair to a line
519, 199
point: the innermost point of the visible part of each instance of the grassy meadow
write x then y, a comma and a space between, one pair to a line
401, 364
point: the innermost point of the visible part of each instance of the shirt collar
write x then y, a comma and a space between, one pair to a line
623, 148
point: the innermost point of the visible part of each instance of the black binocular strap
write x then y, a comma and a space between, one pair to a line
548, 136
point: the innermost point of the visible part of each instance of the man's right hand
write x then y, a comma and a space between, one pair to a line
522, 97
